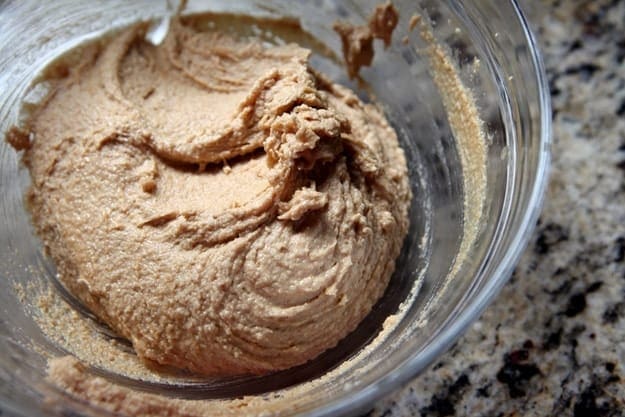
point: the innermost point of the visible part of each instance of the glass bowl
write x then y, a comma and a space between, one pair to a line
446, 274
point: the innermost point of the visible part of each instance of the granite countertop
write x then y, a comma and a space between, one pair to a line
553, 342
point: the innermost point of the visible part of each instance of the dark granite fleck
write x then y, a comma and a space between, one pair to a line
620, 51
517, 356
592, 14
577, 304
620, 249
574, 334
516, 374
550, 235
614, 312
588, 406
620, 111
459, 385
612, 379
595, 286
439, 407
585, 71
483, 391
438, 365
555, 91
553, 339
609, 366
577, 44
442, 404
564, 288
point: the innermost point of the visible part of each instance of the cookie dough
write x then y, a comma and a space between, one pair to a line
213, 199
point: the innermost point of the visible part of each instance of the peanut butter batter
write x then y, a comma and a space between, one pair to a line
215, 201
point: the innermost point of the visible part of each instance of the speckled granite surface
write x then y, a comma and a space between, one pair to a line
553, 343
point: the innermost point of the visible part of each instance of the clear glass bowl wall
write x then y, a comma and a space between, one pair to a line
510, 90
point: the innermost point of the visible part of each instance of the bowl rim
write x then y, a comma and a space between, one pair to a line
417, 362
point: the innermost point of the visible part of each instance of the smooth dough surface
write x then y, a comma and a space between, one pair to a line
214, 200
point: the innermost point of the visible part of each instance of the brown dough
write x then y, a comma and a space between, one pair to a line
215, 201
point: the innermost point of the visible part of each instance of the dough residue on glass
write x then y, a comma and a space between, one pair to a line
357, 40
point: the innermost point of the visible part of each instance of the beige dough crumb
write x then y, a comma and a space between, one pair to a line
18, 138
357, 40
414, 21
